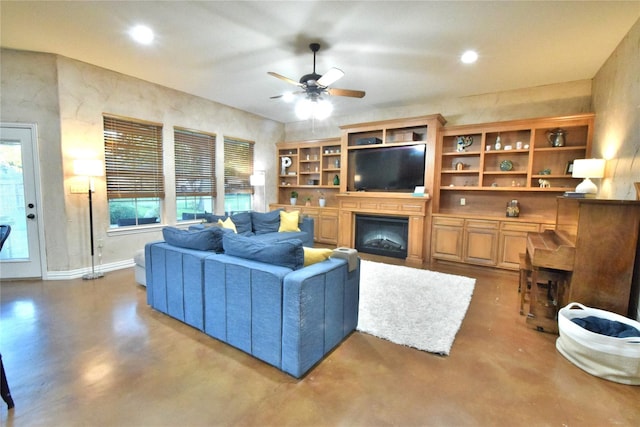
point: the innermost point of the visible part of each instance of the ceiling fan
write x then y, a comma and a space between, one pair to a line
314, 85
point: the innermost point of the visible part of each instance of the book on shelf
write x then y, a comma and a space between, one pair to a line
575, 195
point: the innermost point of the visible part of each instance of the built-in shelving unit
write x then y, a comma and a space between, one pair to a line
525, 162
312, 170
475, 179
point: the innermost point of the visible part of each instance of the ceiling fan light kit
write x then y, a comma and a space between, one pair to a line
314, 86
318, 109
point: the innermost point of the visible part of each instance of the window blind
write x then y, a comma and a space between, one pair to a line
238, 165
195, 163
133, 159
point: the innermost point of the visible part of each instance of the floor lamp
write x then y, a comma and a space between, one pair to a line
90, 168
258, 179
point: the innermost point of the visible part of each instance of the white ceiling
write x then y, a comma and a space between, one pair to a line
400, 53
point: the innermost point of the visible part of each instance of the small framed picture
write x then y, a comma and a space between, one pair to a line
569, 169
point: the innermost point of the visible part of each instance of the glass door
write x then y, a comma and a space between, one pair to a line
20, 256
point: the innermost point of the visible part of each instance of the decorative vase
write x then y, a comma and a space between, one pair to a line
293, 201
498, 144
322, 202
336, 180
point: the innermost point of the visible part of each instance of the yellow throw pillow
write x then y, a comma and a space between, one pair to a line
227, 223
313, 255
289, 221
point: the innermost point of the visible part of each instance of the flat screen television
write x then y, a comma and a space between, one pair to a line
386, 169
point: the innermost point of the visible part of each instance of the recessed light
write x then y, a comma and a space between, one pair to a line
469, 57
142, 34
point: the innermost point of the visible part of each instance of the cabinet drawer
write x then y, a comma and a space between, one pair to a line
477, 223
452, 222
519, 226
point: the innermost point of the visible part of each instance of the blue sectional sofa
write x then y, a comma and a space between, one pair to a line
258, 297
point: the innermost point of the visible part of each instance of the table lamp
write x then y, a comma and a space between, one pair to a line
588, 168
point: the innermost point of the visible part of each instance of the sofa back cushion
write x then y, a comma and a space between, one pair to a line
267, 222
207, 239
285, 253
242, 222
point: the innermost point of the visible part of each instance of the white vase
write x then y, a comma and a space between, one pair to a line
293, 201
322, 202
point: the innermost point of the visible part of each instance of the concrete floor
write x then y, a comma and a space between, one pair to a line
81, 353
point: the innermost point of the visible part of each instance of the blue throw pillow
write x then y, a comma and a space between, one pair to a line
286, 253
264, 223
242, 222
207, 239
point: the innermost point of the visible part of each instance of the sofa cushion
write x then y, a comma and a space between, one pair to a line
289, 221
314, 255
285, 253
268, 222
207, 239
242, 221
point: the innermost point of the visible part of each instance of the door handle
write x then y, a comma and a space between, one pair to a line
31, 216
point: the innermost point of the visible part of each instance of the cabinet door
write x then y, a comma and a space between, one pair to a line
513, 242
481, 242
446, 238
328, 227
313, 213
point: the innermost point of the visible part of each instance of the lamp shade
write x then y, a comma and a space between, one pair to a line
588, 168
88, 167
257, 179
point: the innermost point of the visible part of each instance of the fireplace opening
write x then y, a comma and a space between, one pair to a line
382, 235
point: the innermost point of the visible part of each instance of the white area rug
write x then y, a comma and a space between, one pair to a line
417, 308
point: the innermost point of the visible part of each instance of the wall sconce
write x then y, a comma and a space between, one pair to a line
588, 168
90, 168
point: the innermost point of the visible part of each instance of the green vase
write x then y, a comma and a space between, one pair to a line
336, 180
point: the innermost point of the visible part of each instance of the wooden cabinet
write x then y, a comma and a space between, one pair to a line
447, 237
325, 221
412, 131
327, 229
476, 178
481, 240
513, 242
470, 167
309, 168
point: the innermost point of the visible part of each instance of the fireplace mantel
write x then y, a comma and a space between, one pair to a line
404, 205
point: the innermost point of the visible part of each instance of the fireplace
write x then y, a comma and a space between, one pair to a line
382, 235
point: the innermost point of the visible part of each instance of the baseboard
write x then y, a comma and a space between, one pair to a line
78, 273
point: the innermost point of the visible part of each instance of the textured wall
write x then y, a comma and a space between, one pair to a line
616, 101
543, 101
67, 99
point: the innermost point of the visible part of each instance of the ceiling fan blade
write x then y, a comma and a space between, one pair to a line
330, 77
286, 79
346, 92
289, 94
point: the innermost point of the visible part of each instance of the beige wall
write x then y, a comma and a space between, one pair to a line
67, 99
543, 101
616, 100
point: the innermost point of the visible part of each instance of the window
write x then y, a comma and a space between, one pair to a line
195, 173
238, 167
133, 160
